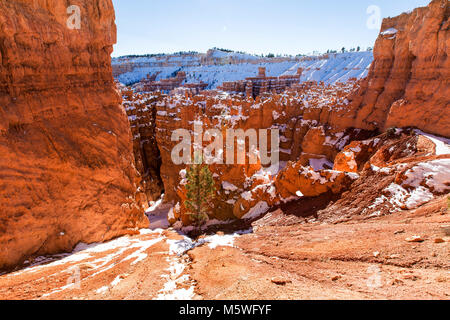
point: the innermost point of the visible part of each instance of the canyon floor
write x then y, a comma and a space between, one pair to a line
280, 256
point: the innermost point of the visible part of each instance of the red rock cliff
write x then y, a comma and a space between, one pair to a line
409, 80
66, 165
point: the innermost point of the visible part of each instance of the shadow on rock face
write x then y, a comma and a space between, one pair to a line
308, 207
288, 213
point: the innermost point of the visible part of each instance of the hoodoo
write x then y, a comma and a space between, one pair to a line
409, 81
407, 86
323, 176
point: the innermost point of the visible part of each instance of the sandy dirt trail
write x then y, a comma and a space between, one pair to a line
279, 257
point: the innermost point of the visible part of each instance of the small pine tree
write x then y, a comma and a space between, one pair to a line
200, 193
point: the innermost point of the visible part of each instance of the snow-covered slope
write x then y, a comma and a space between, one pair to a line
339, 67
215, 75
215, 67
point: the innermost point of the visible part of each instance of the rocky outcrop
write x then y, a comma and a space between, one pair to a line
300, 115
141, 112
409, 81
321, 127
292, 183
66, 170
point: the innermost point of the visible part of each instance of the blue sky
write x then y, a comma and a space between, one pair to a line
254, 26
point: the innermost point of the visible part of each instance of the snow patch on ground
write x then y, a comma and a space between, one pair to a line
255, 212
180, 247
158, 214
435, 174
84, 252
400, 197
442, 144
174, 278
422, 180
116, 281
102, 290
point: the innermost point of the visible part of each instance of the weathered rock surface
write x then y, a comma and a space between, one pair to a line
141, 111
300, 115
409, 81
324, 127
66, 170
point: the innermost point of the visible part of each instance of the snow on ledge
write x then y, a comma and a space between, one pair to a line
390, 31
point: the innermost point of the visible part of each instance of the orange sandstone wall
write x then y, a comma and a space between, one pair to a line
66, 164
409, 80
